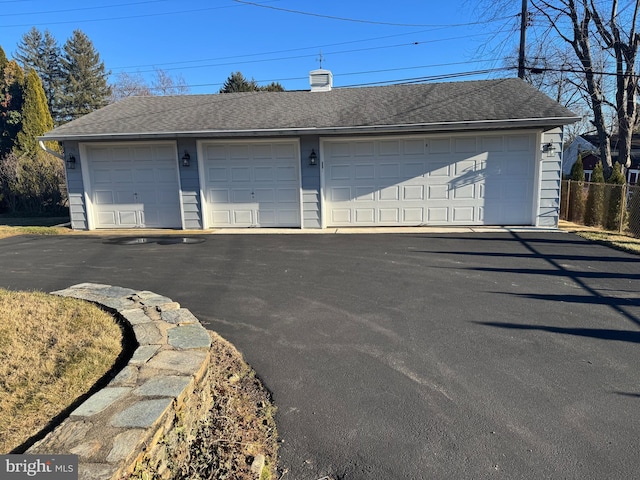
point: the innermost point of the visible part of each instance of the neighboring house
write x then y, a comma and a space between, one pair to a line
589, 147
465, 153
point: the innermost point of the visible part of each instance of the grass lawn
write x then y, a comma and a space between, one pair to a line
52, 350
611, 239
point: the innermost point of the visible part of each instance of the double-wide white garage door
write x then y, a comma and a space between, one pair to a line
456, 180
132, 185
254, 184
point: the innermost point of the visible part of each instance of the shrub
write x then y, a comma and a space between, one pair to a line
594, 209
614, 216
576, 189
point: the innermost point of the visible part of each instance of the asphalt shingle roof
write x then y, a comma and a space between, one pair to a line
342, 108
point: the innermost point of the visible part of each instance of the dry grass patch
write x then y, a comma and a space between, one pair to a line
615, 240
7, 231
52, 350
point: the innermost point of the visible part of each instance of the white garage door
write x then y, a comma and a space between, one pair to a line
458, 180
133, 185
254, 184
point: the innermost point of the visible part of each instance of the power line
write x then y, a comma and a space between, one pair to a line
127, 17
314, 47
82, 8
355, 20
292, 57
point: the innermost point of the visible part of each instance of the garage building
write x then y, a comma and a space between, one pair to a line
460, 153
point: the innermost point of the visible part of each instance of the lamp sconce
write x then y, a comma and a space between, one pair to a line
186, 159
313, 157
71, 161
549, 149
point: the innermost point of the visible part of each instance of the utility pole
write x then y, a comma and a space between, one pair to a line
524, 18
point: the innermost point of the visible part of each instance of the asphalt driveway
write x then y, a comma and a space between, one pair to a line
486, 355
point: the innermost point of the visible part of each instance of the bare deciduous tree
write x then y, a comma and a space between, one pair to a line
604, 42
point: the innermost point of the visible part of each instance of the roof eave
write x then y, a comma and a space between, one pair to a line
548, 122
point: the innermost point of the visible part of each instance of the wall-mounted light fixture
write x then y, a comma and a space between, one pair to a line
549, 149
313, 157
186, 159
71, 161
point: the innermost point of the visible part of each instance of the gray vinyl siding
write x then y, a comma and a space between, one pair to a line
75, 189
310, 183
550, 181
190, 186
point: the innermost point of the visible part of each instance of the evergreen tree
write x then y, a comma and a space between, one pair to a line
11, 97
85, 88
36, 119
29, 51
594, 209
42, 53
272, 87
3, 60
236, 82
576, 200
614, 214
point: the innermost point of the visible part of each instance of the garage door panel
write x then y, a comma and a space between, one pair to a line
134, 186
238, 152
364, 172
218, 195
341, 216
389, 171
264, 195
390, 193
221, 217
340, 194
463, 214
119, 176
445, 180
107, 218
340, 172
287, 174
243, 216
389, 215
517, 167
290, 196
103, 197
464, 191
438, 214
413, 215
364, 193
240, 174
413, 170
262, 180
365, 215
438, 192
413, 192
264, 174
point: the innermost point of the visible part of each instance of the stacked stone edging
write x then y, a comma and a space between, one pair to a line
124, 423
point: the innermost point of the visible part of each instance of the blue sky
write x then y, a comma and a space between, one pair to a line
362, 42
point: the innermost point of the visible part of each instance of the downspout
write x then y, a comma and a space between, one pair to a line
55, 154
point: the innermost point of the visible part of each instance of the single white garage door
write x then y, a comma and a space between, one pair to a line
133, 185
251, 184
457, 180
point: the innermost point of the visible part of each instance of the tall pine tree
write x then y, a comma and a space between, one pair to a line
85, 88
42, 53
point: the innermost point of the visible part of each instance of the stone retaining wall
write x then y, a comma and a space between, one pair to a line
122, 426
